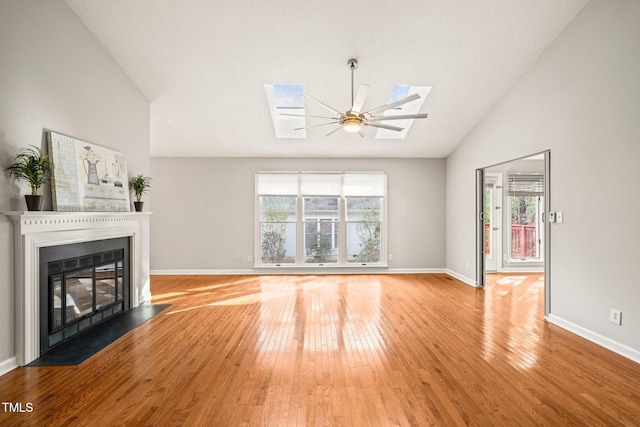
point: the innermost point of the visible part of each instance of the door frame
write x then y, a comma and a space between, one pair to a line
496, 222
480, 228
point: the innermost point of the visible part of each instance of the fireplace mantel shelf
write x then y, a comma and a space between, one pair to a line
59, 213
45, 215
35, 221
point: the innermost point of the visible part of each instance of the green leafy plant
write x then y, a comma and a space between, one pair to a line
32, 166
319, 246
139, 185
369, 234
274, 230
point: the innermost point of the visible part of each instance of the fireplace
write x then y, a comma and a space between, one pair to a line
34, 231
81, 285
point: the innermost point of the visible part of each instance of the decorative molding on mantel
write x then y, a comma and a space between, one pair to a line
53, 220
36, 229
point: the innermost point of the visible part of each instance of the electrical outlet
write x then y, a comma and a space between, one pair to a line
390, 257
615, 316
249, 258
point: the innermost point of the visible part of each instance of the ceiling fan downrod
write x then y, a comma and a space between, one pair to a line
353, 64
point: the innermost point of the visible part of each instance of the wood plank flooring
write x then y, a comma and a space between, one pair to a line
343, 350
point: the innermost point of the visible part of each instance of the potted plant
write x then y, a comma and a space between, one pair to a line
139, 185
34, 167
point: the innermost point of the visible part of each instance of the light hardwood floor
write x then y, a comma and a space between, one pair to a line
350, 350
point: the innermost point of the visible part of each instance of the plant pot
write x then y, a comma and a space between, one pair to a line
138, 206
34, 203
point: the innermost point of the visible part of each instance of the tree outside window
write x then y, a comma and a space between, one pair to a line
275, 213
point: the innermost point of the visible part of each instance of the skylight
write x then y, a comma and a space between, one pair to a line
289, 96
399, 92
286, 99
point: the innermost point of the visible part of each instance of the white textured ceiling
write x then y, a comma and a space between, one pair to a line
203, 65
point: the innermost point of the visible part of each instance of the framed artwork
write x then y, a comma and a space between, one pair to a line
87, 177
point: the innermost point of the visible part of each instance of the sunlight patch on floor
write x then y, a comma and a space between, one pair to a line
236, 281
250, 299
168, 295
511, 280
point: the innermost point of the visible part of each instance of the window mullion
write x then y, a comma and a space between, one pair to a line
342, 231
299, 231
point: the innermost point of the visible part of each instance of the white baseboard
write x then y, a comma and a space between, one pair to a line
465, 279
520, 270
416, 270
8, 365
199, 272
303, 270
616, 347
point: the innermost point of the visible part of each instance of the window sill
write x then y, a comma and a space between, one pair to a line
293, 268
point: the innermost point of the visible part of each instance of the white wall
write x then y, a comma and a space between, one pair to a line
55, 75
581, 100
204, 209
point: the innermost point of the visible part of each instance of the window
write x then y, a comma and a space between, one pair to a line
320, 218
525, 196
278, 230
363, 229
321, 235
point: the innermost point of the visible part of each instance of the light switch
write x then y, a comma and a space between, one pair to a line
559, 217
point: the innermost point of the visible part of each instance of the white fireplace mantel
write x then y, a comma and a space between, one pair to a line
33, 230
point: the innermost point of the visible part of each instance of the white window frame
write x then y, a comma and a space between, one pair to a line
260, 221
533, 187
379, 183
381, 220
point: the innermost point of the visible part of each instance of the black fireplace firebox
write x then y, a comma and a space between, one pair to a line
81, 285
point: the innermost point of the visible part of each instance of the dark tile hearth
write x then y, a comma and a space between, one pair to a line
88, 343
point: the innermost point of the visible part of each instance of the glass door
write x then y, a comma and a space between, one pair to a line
493, 221
526, 204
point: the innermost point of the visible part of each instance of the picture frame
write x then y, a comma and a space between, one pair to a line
87, 177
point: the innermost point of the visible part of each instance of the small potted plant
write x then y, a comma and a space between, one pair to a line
139, 185
34, 167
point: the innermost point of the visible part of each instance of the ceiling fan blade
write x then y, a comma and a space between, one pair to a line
308, 115
334, 131
322, 103
314, 126
400, 117
394, 104
381, 126
363, 91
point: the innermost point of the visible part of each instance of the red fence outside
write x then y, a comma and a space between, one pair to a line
487, 239
523, 241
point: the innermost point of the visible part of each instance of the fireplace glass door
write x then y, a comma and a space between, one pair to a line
83, 291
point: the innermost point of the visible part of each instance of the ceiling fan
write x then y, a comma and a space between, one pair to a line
354, 119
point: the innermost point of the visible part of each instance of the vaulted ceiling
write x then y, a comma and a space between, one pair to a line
203, 65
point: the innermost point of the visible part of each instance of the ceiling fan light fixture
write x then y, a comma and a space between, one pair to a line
352, 124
